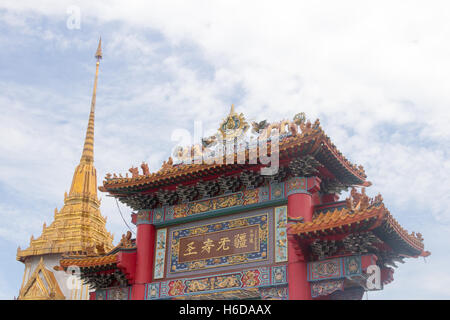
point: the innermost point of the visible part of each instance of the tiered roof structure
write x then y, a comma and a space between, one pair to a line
359, 226
186, 191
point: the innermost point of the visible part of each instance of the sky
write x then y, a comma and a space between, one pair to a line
376, 74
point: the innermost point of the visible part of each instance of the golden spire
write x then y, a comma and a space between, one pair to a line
88, 150
79, 224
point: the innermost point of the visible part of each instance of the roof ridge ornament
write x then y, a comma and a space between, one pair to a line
233, 126
214, 149
360, 201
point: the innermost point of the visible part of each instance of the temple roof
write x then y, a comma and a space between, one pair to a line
92, 259
358, 215
103, 269
297, 138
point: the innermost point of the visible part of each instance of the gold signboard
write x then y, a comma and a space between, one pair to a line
219, 244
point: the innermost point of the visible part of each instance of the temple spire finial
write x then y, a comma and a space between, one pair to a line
232, 109
98, 54
88, 150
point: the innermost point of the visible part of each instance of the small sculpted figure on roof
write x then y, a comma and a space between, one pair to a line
145, 169
134, 172
259, 126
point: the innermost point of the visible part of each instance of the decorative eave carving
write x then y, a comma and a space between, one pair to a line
229, 184
304, 167
166, 197
208, 189
187, 193
251, 179
332, 186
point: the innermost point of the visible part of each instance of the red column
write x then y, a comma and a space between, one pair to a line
300, 204
145, 243
299, 288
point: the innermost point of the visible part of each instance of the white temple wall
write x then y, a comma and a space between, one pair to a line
71, 287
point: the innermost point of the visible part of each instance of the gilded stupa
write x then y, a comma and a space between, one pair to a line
78, 228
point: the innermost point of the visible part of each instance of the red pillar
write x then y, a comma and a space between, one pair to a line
300, 204
299, 288
145, 243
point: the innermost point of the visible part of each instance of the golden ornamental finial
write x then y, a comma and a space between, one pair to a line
233, 126
98, 54
88, 150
